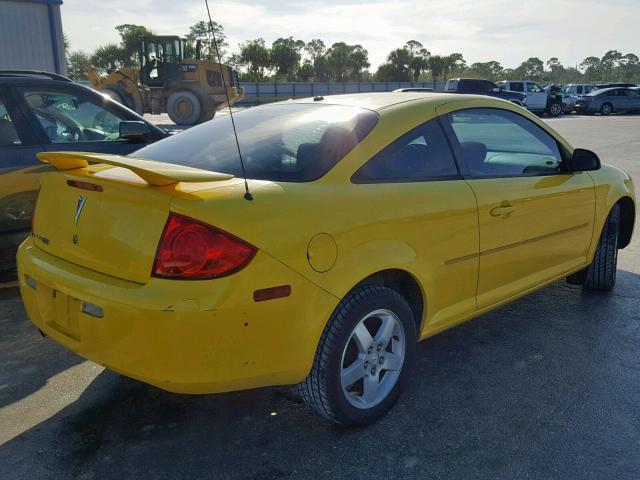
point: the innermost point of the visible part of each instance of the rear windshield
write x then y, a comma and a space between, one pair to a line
284, 142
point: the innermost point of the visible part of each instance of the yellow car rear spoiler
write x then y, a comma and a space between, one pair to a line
152, 172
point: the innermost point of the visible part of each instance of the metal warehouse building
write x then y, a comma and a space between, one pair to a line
31, 36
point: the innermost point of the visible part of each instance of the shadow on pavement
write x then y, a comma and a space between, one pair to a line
546, 387
27, 362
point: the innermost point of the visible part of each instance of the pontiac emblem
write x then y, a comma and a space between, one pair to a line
79, 207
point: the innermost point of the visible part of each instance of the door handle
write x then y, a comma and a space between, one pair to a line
504, 210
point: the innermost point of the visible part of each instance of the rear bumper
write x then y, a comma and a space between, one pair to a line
181, 336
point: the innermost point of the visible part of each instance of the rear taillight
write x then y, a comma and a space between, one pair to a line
192, 250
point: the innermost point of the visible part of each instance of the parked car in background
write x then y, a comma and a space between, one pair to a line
609, 100
538, 100
483, 87
600, 86
572, 92
46, 112
578, 89
414, 89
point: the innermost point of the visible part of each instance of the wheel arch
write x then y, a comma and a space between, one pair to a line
406, 285
627, 220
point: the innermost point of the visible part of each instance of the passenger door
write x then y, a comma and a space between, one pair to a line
415, 193
70, 119
536, 97
618, 99
633, 97
535, 218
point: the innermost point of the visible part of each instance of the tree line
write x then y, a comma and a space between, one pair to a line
290, 59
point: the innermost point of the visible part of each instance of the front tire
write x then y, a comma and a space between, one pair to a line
601, 274
364, 357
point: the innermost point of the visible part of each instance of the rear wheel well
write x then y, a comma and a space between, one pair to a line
627, 219
406, 285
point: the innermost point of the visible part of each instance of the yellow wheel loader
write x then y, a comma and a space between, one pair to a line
190, 90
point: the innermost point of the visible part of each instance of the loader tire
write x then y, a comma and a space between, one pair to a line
184, 107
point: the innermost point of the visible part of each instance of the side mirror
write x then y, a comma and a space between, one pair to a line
583, 161
496, 89
134, 130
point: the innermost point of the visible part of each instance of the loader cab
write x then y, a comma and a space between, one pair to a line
160, 60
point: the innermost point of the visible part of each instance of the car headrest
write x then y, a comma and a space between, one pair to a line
335, 143
474, 154
8, 134
307, 154
409, 160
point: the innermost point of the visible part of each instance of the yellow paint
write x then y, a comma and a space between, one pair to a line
322, 252
210, 336
154, 173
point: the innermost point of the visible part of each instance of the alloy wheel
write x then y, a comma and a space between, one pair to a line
372, 359
556, 109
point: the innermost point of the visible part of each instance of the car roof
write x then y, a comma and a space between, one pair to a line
381, 100
15, 76
599, 91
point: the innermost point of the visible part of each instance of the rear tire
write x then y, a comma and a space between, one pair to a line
606, 109
184, 107
364, 357
134, 104
601, 274
114, 95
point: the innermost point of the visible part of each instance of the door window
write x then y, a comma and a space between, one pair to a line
69, 118
475, 86
579, 89
533, 88
499, 143
8, 133
422, 154
517, 87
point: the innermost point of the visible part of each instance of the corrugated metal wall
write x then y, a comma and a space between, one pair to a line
26, 36
256, 93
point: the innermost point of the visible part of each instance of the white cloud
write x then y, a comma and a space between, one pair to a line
503, 30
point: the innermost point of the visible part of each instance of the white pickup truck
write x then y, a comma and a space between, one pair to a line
537, 99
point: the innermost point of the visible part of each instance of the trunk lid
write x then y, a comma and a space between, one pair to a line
109, 219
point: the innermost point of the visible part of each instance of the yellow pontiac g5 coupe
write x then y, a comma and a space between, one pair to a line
373, 221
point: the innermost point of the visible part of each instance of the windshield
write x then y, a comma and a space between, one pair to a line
284, 142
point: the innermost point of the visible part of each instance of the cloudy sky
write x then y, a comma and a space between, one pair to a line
505, 30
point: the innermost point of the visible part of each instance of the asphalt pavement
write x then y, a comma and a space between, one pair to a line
547, 387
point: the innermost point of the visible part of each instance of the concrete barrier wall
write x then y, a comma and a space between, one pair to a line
257, 93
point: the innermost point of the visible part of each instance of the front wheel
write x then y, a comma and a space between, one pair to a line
364, 357
555, 109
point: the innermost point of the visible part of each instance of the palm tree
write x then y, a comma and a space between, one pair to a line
437, 65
